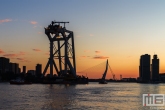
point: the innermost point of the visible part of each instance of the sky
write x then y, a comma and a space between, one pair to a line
118, 30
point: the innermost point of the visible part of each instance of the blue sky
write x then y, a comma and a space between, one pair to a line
120, 30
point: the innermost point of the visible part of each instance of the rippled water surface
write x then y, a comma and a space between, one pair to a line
94, 96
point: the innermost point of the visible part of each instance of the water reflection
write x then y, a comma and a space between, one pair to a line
93, 96
58, 97
147, 89
112, 96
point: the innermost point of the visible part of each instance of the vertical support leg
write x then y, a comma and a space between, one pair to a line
73, 48
59, 57
51, 59
66, 54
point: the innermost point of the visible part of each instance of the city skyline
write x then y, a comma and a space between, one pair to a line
119, 31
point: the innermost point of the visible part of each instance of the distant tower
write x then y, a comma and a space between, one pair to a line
38, 69
12, 67
24, 69
120, 77
16, 68
19, 70
155, 68
144, 68
62, 49
4, 65
114, 77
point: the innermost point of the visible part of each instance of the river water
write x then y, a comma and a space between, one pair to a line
93, 96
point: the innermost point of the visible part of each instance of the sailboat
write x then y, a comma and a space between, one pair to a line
102, 80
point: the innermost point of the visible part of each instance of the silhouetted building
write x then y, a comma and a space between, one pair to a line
4, 65
24, 70
155, 69
162, 77
12, 67
19, 70
144, 68
120, 77
32, 72
38, 69
16, 68
128, 79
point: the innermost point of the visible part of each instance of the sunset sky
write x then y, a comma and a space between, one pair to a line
117, 30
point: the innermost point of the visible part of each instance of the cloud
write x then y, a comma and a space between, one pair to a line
22, 59
33, 22
83, 56
91, 35
13, 54
97, 51
21, 53
19, 58
10, 55
1, 51
5, 20
37, 50
100, 57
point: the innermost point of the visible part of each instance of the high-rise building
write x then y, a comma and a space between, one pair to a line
19, 70
155, 68
4, 65
38, 69
16, 68
12, 67
24, 69
144, 68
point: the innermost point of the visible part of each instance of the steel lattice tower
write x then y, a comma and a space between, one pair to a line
62, 50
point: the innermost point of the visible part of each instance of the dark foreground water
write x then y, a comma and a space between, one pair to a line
94, 96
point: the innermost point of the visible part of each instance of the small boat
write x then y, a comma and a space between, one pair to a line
19, 81
102, 82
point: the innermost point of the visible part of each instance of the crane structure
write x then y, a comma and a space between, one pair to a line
62, 50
